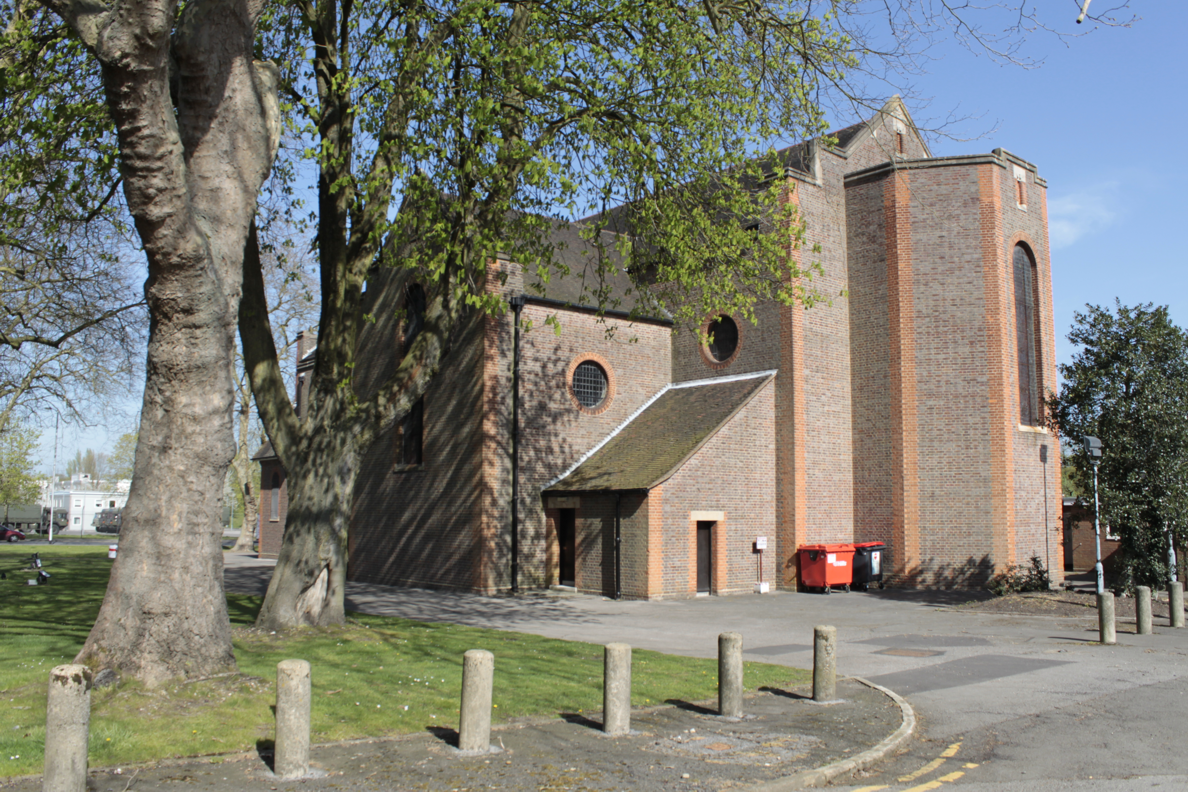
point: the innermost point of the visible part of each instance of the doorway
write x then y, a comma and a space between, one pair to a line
704, 554
567, 544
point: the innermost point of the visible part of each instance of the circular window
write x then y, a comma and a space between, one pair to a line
589, 384
723, 343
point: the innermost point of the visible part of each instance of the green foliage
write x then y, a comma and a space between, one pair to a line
122, 462
1069, 487
18, 483
491, 120
1128, 386
364, 675
1017, 579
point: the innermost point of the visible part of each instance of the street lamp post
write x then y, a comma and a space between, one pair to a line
1093, 445
53, 474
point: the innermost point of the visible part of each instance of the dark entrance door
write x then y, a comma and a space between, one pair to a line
703, 556
567, 540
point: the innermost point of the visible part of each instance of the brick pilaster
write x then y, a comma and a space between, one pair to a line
905, 496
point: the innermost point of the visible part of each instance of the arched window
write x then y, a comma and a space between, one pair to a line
274, 513
1025, 337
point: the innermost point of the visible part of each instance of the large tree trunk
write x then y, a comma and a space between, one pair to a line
191, 171
309, 582
165, 613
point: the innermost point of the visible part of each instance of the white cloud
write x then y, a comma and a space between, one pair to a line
1079, 214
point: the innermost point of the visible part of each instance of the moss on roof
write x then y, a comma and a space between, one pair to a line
647, 451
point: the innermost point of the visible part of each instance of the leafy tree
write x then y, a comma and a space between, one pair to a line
94, 464
72, 329
18, 484
1128, 386
447, 106
442, 132
122, 460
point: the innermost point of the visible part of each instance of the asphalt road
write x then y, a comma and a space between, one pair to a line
1005, 702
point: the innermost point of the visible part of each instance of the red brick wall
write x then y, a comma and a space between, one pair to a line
733, 473
554, 431
963, 493
271, 531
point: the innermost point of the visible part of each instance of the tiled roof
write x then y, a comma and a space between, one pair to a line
653, 446
265, 452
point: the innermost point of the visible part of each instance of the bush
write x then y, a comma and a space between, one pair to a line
1017, 579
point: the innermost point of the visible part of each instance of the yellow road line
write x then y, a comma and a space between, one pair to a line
870, 788
936, 784
934, 764
970, 765
925, 770
924, 787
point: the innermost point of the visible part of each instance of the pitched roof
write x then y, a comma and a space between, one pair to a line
265, 452
662, 436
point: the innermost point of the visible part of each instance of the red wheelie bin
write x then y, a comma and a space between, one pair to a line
823, 566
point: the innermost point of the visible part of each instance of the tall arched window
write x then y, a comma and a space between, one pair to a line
1025, 337
274, 514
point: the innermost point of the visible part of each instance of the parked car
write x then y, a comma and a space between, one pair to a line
10, 534
108, 521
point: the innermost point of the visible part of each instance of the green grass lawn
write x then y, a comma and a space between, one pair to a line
376, 676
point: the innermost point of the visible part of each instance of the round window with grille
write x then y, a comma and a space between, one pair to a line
589, 384
723, 333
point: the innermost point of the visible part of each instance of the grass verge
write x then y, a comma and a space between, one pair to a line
376, 676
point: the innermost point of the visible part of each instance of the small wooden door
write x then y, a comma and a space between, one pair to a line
567, 542
704, 533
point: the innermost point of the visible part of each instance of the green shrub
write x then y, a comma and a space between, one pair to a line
1018, 579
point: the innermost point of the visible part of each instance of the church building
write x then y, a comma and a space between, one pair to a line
646, 464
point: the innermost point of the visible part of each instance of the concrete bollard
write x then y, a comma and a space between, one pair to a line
616, 689
730, 675
291, 758
1105, 618
67, 722
1142, 609
474, 727
1175, 603
824, 663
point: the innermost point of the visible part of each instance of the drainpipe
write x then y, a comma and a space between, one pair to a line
517, 303
618, 547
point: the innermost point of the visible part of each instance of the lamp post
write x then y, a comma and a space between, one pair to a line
1043, 453
1093, 446
53, 473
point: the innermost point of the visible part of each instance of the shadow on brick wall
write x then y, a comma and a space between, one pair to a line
973, 573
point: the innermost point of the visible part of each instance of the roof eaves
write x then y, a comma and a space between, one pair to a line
639, 410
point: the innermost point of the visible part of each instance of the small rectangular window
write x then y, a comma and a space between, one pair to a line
899, 142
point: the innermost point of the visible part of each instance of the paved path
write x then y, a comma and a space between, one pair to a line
1033, 702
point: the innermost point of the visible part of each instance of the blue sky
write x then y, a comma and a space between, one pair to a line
1099, 118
